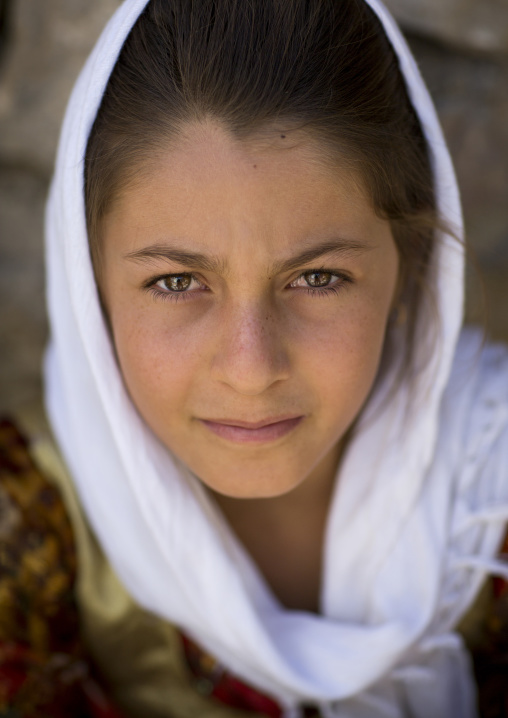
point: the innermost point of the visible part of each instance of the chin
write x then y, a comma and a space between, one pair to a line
251, 488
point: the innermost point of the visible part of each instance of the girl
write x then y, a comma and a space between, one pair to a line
289, 465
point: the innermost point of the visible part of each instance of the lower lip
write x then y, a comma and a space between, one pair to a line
264, 434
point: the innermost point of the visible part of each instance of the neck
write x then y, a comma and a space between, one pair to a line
284, 534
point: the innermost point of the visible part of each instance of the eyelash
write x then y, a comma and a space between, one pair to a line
173, 296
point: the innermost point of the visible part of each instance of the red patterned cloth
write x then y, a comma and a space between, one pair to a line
44, 669
212, 680
490, 659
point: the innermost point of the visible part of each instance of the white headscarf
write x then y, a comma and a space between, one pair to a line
415, 521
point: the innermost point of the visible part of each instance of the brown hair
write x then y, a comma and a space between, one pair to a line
322, 65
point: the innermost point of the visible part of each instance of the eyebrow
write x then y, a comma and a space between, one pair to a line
215, 264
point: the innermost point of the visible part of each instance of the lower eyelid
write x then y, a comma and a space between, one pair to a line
168, 295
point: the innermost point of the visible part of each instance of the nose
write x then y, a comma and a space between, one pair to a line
250, 354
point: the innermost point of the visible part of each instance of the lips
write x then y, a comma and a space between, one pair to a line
249, 432
253, 424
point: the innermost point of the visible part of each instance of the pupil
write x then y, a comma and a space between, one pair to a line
318, 279
178, 282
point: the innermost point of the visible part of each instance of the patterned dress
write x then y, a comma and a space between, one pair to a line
45, 668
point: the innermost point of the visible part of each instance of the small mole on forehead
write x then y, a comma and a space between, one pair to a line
283, 137
254, 166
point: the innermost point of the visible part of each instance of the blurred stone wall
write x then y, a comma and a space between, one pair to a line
45, 43
462, 48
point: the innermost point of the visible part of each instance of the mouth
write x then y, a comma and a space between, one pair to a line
260, 432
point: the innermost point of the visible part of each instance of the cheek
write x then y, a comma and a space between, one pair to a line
159, 361
341, 358
351, 356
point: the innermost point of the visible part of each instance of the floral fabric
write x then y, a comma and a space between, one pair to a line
44, 669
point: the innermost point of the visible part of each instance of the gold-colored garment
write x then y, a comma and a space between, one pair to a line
138, 654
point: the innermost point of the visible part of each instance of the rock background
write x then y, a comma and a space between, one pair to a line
463, 24
462, 48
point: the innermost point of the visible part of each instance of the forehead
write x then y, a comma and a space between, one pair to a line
273, 189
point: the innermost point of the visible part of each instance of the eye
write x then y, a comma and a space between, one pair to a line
175, 282
320, 280
175, 286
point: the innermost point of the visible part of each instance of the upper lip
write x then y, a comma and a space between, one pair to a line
254, 424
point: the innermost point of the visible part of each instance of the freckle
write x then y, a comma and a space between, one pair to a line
283, 137
254, 166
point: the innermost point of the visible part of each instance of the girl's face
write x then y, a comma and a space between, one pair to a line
248, 288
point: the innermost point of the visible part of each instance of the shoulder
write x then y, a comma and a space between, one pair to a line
38, 618
479, 369
474, 432
484, 630
473, 445
38, 555
472, 436
43, 665
474, 410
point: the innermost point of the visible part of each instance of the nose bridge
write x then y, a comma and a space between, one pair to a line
250, 354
